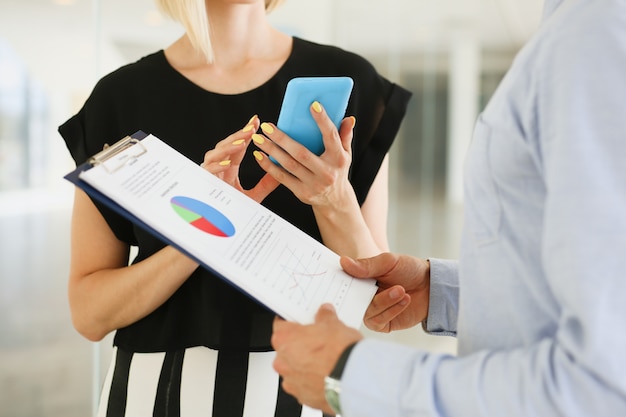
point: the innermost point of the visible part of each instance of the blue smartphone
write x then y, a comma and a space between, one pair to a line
295, 115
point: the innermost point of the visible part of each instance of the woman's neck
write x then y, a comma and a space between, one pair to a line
241, 32
248, 51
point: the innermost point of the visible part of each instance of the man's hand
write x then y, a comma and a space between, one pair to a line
305, 355
404, 285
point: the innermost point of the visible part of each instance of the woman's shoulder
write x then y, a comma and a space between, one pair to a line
113, 101
129, 75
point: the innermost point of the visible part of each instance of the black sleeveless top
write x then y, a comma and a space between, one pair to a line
152, 96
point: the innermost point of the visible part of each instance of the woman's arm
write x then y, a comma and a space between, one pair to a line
355, 232
105, 293
375, 208
323, 183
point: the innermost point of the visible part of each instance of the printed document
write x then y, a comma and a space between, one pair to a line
224, 230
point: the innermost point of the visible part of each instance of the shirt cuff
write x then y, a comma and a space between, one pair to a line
443, 305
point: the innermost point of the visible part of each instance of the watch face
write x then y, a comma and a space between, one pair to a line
332, 390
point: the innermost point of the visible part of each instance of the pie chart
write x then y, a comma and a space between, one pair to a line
202, 216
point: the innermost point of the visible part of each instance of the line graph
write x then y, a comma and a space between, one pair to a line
299, 276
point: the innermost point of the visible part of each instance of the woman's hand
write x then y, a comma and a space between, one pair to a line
321, 182
224, 161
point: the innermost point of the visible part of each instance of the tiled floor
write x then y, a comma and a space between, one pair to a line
45, 366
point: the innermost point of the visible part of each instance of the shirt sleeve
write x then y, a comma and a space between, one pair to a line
443, 306
83, 135
577, 370
381, 106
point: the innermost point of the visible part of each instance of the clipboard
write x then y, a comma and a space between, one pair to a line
99, 158
263, 255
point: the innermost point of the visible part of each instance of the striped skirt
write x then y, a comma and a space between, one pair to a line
196, 382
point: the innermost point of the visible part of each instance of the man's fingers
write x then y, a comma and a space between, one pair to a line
278, 321
388, 298
326, 312
355, 267
363, 268
381, 321
376, 267
282, 331
385, 307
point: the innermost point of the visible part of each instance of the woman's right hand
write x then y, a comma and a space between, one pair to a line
224, 161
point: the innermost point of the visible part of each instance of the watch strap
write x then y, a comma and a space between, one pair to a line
341, 362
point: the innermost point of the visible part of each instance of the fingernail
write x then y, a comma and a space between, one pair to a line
267, 128
353, 121
258, 155
317, 107
238, 142
252, 119
248, 128
225, 162
395, 293
258, 138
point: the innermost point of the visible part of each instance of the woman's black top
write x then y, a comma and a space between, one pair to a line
150, 95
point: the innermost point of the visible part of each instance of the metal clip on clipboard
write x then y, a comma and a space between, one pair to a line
107, 154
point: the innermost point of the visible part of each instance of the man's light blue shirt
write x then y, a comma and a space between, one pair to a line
540, 314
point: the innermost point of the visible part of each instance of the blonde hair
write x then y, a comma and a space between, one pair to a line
193, 16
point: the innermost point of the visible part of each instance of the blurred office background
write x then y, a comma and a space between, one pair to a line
450, 53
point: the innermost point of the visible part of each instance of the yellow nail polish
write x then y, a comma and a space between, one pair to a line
252, 119
317, 107
248, 128
239, 142
258, 138
267, 128
225, 163
258, 155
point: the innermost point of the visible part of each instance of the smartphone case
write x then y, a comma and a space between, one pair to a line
295, 115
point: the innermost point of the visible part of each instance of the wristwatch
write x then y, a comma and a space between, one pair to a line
332, 383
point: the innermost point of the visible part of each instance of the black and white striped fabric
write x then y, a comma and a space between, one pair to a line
196, 382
